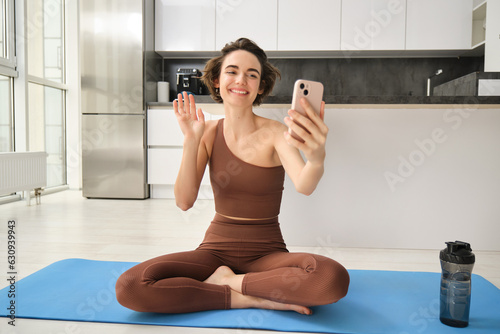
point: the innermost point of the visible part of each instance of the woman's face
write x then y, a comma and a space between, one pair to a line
240, 78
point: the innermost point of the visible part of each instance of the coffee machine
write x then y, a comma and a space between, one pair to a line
189, 80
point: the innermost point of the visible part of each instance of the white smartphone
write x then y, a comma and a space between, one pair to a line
313, 92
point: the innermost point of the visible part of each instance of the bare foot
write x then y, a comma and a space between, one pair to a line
225, 276
239, 300
221, 276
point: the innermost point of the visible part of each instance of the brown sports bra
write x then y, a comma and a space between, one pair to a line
242, 189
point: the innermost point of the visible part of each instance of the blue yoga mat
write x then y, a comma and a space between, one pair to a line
377, 302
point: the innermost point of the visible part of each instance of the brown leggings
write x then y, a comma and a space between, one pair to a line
173, 283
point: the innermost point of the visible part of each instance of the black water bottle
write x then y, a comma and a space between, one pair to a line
457, 261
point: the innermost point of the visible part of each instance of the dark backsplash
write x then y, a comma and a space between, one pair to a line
355, 76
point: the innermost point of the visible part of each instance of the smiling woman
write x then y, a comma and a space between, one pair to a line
213, 70
243, 261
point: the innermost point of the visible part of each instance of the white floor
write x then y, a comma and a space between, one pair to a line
66, 225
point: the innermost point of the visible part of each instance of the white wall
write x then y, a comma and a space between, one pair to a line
448, 189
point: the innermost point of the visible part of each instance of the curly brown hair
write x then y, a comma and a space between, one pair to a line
269, 72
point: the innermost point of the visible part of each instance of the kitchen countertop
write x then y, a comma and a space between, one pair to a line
336, 101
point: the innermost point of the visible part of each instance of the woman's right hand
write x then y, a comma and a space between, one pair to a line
191, 121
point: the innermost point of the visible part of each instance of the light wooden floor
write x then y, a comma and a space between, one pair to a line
66, 225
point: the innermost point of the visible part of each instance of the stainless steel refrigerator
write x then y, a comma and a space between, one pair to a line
119, 70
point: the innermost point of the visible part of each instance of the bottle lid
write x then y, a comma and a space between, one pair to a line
457, 252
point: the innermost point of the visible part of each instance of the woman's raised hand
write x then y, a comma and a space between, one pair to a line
314, 132
191, 121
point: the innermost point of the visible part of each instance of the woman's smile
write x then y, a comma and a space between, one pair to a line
238, 91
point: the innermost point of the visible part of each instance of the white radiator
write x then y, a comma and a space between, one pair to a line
22, 171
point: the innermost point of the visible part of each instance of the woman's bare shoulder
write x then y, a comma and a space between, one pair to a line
209, 134
210, 125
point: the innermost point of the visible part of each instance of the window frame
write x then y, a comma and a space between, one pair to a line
47, 83
11, 114
8, 64
42, 80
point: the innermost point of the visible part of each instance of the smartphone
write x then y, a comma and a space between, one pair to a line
313, 92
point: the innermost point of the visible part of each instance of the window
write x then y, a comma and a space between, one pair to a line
46, 85
46, 124
46, 39
7, 59
7, 72
6, 142
3, 53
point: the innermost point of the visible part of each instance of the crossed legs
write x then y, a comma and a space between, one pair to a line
198, 280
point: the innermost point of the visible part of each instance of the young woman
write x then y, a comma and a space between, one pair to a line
243, 261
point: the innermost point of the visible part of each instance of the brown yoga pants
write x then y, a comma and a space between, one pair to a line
173, 283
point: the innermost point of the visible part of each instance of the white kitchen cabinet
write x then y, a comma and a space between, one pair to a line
165, 141
164, 147
163, 165
187, 25
488, 87
478, 25
439, 25
492, 37
373, 25
254, 19
309, 25
163, 129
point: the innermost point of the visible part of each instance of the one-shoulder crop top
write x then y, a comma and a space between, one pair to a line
242, 189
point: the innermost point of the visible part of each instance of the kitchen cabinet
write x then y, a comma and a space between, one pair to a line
373, 25
425, 26
478, 25
439, 25
187, 25
163, 165
165, 141
492, 37
311, 25
486, 33
254, 19
163, 129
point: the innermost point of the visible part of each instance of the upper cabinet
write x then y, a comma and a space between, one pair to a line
254, 19
309, 25
187, 25
492, 37
486, 33
439, 25
373, 25
478, 25
333, 28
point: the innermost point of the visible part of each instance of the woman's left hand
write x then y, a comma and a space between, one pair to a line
313, 132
